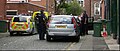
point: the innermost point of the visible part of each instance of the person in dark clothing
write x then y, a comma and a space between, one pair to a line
41, 26
82, 25
36, 21
85, 23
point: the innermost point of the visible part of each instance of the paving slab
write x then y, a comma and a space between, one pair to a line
4, 34
112, 43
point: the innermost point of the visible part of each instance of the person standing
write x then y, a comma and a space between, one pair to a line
41, 27
82, 24
85, 23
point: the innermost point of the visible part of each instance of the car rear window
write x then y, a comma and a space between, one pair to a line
60, 20
20, 19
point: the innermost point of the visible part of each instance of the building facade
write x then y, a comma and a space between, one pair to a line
93, 8
16, 7
2, 9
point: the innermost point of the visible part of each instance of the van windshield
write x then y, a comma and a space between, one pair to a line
20, 19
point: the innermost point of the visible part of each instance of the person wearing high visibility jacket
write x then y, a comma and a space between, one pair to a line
36, 21
41, 26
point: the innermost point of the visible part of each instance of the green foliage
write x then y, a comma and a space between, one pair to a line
69, 8
63, 5
74, 8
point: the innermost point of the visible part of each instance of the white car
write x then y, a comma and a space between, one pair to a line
63, 26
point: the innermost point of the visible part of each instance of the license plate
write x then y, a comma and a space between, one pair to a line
19, 24
60, 26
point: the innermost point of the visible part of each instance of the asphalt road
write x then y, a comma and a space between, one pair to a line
31, 42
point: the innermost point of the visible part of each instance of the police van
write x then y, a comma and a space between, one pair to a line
34, 14
21, 24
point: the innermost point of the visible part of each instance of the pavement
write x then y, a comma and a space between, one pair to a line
100, 43
93, 43
4, 34
112, 43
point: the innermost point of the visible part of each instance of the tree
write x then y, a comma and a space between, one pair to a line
59, 8
68, 8
74, 8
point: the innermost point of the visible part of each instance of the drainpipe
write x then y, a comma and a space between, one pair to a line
5, 9
47, 5
90, 8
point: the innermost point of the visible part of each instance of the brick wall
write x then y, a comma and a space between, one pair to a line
22, 8
51, 6
42, 2
2, 9
87, 7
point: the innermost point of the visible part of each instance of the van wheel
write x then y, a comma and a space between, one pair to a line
48, 38
11, 33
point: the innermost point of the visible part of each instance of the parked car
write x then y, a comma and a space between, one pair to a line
63, 26
21, 24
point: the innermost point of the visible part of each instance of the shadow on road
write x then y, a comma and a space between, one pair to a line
23, 34
64, 39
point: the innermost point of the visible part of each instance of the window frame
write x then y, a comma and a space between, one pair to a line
96, 8
35, 0
11, 11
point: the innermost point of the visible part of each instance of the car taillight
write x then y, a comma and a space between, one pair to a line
74, 26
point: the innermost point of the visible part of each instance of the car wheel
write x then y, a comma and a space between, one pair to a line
48, 38
11, 33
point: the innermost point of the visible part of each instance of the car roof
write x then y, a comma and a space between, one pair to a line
23, 16
75, 16
61, 16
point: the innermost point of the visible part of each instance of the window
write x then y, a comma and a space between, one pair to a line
97, 9
16, 0
20, 19
11, 12
60, 20
35, 0
19, 0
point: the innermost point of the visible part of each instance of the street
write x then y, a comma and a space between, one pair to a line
31, 42
98, 19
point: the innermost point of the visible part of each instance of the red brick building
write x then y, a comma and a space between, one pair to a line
16, 7
2, 9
